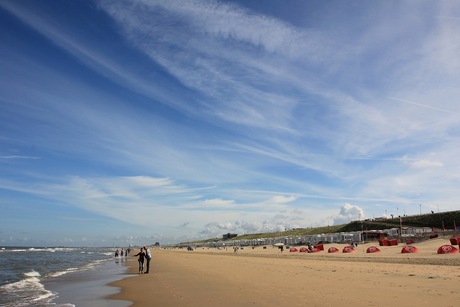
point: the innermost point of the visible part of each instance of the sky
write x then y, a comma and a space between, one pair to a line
143, 121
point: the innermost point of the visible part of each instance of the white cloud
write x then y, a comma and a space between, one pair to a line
218, 203
426, 163
348, 213
281, 199
18, 157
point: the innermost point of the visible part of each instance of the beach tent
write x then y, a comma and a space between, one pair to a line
392, 242
447, 249
319, 247
293, 250
409, 249
304, 250
372, 249
333, 250
348, 249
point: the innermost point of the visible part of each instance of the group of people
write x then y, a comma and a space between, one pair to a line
122, 252
144, 254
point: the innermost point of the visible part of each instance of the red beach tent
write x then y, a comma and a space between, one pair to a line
447, 249
348, 249
409, 249
333, 250
372, 249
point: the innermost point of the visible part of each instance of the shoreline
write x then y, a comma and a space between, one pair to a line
267, 277
89, 287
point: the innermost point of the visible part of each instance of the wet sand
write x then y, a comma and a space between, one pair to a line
267, 277
89, 287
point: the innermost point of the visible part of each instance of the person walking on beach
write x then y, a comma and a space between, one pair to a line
141, 255
148, 256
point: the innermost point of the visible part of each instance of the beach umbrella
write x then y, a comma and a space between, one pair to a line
333, 250
372, 249
447, 249
348, 249
303, 250
409, 249
293, 250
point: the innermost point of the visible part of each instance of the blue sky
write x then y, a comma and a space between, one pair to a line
131, 122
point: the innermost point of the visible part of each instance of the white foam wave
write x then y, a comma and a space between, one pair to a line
48, 249
32, 274
60, 273
27, 290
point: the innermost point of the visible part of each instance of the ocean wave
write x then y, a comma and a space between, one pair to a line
32, 274
26, 292
60, 273
51, 249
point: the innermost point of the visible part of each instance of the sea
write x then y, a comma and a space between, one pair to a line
60, 276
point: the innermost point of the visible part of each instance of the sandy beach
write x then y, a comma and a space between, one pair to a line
266, 277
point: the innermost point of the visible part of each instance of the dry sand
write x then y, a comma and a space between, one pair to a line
267, 277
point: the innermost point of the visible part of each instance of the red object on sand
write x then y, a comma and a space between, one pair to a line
372, 249
447, 249
348, 249
319, 247
409, 249
293, 250
304, 250
384, 242
393, 242
333, 250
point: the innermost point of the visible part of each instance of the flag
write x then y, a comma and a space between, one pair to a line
455, 226
443, 228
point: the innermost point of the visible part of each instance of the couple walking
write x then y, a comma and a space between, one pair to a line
144, 253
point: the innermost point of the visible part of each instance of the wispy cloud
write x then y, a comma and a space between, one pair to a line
18, 157
424, 105
164, 113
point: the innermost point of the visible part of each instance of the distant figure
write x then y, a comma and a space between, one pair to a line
116, 253
122, 252
148, 256
235, 249
141, 255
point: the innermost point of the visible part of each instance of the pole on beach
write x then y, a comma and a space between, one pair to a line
400, 228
